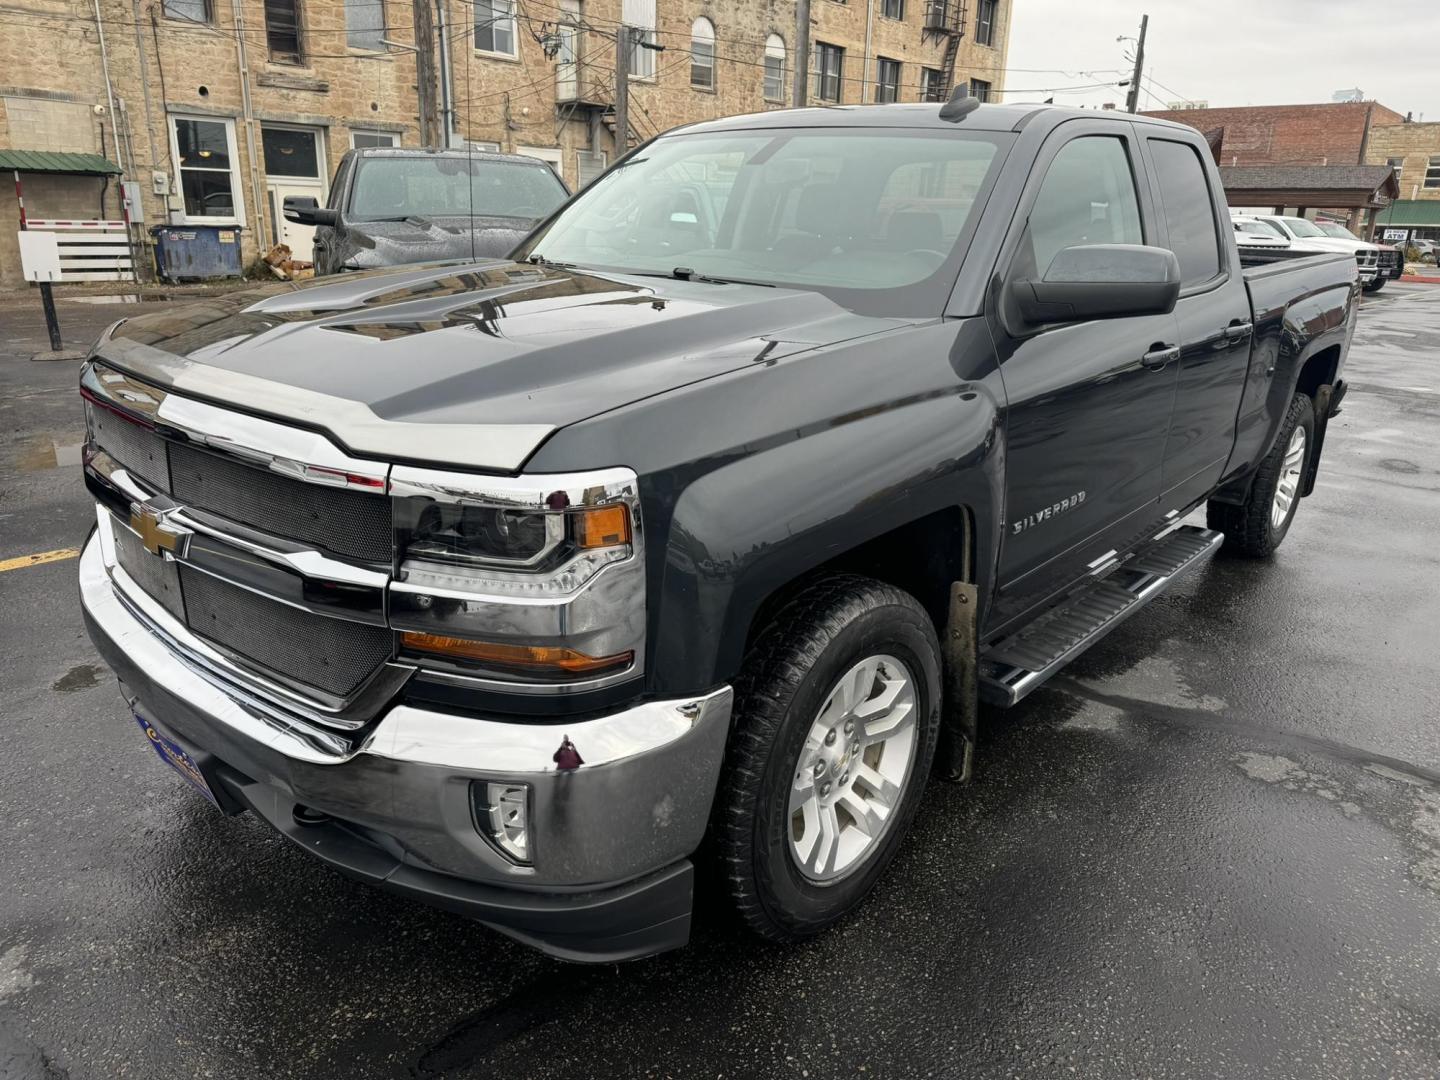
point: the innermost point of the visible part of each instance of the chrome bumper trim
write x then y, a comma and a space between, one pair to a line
639, 801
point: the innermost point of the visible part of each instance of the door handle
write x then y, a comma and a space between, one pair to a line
1238, 331
1157, 358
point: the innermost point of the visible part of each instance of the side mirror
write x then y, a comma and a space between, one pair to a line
1101, 281
304, 210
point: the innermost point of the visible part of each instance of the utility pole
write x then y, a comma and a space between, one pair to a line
1132, 103
623, 38
802, 52
425, 73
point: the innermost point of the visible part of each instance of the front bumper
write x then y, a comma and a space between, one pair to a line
610, 878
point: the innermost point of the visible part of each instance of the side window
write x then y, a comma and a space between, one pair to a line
1189, 213
337, 186
1087, 197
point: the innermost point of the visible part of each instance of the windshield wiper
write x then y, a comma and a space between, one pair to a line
540, 260
397, 217
684, 273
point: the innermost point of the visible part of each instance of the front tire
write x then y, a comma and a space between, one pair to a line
1256, 527
1376, 285
837, 717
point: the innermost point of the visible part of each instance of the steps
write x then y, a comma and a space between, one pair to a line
1015, 665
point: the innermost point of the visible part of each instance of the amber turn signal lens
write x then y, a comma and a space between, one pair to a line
602, 526
533, 659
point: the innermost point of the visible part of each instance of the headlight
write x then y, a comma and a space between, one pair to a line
528, 584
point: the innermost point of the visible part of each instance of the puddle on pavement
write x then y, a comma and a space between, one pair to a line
81, 677
50, 452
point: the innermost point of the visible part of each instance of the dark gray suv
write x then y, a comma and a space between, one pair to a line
390, 206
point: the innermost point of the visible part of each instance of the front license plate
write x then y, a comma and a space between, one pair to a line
177, 757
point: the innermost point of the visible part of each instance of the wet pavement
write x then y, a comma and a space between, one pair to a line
1211, 849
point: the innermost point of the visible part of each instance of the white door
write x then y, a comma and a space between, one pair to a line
294, 165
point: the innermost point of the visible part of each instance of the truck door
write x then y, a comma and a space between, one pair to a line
1214, 319
1089, 403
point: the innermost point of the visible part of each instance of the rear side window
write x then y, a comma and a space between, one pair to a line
1087, 197
1189, 213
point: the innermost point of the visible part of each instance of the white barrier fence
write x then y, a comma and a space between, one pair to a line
90, 250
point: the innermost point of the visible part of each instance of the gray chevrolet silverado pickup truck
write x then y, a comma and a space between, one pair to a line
693, 533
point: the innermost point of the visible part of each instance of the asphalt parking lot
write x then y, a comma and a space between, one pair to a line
1211, 849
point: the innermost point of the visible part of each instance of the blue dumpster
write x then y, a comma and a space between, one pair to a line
196, 252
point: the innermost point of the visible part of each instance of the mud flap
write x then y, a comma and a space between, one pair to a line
960, 719
1327, 401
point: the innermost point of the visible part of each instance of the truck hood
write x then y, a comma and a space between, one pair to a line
471, 366
371, 244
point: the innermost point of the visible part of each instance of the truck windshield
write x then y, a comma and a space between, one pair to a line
434, 186
1301, 227
879, 221
1330, 228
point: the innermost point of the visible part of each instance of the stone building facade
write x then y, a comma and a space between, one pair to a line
218, 109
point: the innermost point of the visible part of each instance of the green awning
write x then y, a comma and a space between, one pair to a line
1414, 212
46, 161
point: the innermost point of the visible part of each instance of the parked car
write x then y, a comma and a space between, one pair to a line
390, 206
1260, 241
1391, 260
504, 585
1426, 248
1367, 255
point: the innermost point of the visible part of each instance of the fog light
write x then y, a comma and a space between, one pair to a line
502, 813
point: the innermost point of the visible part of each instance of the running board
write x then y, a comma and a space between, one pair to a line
1014, 666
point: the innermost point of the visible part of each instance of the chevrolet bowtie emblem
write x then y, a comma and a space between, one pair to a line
159, 535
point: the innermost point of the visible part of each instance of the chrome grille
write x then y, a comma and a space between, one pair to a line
333, 655
156, 576
134, 446
345, 522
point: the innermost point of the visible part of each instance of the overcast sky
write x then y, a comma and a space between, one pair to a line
1231, 52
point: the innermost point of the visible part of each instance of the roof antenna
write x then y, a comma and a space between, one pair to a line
960, 105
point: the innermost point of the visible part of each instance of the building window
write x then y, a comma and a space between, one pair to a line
829, 72
932, 84
979, 88
495, 26
1432, 173
774, 68
985, 23
359, 140
702, 54
196, 11
205, 160
1398, 164
639, 16
365, 24
887, 80
893, 9
282, 30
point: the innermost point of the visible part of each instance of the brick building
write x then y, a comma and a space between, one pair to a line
218, 109
1329, 134
1333, 135
1413, 151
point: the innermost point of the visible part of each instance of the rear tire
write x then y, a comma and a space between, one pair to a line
1255, 528
837, 717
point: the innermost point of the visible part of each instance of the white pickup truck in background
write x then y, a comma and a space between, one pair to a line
1305, 234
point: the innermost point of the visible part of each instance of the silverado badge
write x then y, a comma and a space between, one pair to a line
1029, 521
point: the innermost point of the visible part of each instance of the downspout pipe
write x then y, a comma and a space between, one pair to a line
447, 99
256, 194
109, 90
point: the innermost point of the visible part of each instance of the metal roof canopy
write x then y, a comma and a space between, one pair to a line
46, 161
1369, 187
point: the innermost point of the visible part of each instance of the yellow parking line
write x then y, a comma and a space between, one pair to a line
40, 557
